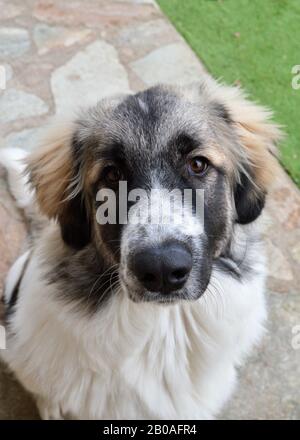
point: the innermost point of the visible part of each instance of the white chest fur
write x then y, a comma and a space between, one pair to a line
134, 360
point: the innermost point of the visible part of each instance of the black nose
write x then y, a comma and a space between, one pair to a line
163, 268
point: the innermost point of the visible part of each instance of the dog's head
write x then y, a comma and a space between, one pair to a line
204, 137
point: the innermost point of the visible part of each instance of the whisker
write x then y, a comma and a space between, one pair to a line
101, 276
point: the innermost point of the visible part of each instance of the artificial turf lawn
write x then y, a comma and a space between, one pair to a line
252, 42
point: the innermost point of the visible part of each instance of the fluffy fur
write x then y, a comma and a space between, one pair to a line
90, 354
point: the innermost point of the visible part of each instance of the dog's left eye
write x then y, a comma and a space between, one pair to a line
112, 174
197, 165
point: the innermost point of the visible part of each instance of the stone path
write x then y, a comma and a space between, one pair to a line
59, 55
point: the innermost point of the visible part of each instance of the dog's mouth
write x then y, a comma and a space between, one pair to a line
138, 294
156, 297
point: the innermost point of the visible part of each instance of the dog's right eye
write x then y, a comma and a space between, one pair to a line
112, 174
198, 165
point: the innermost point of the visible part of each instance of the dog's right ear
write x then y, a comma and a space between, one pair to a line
51, 170
254, 156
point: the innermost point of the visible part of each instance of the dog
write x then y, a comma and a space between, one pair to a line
142, 321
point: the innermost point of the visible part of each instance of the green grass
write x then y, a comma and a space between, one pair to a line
255, 43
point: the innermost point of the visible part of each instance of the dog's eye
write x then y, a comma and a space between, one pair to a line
197, 165
112, 174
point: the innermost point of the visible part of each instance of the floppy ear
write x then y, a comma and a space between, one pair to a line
249, 200
51, 169
256, 137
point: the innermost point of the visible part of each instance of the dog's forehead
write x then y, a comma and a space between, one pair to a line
150, 119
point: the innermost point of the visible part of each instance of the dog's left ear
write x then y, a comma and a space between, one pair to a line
256, 137
52, 168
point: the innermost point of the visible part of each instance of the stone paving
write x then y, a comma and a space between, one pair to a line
59, 55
